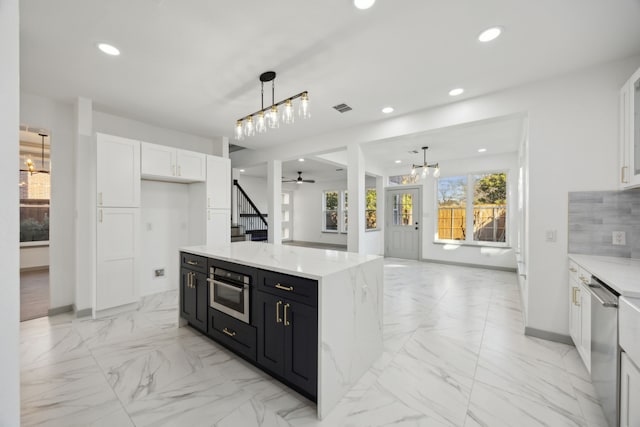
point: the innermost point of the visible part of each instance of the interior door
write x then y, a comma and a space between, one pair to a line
402, 224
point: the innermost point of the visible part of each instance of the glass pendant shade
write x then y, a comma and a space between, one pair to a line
273, 120
238, 131
249, 129
261, 123
413, 171
436, 172
303, 109
287, 112
425, 171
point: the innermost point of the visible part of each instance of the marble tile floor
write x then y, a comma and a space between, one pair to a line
455, 355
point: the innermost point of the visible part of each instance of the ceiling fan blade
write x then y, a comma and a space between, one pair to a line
311, 181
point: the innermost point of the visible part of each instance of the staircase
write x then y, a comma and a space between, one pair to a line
250, 219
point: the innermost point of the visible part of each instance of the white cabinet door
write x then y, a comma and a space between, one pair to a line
192, 166
585, 325
218, 183
118, 234
157, 160
118, 171
218, 227
631, 134
575, 323
629, 392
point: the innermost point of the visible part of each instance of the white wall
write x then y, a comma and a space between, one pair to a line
34, 257
485, 256
164, 228
133, 129
58, 118
307, 212
9, 216
572, 147
256, 189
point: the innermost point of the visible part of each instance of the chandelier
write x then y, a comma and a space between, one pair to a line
30, 166
425, 166
271, 116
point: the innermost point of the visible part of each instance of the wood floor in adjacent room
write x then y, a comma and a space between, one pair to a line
34, 294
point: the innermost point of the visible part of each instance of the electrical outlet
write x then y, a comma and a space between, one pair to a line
550, 235
158, 272
619, 238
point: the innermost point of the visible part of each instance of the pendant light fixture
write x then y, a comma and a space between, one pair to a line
425, 166
271, 116
31, 168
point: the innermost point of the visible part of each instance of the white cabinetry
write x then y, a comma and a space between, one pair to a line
118, 171
118, 237
218, 227
164, 163
629, 132
218, 183
580, 312
629, 392
118, 221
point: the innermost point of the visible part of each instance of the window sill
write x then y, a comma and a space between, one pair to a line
371, 229
330, 231
472, 244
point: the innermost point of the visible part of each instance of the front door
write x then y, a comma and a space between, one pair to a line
402, 235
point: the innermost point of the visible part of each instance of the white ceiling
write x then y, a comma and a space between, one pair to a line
194, 65
318, 170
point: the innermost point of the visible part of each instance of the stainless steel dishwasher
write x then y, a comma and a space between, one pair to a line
605, 354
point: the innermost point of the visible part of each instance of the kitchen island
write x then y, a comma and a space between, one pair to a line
295, 293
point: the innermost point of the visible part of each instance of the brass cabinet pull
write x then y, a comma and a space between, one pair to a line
278, 318
622, 175
228, 332
100, 215
575, 297
192, 262
573, 270
100, 198
286, 322
284, 288
179, 171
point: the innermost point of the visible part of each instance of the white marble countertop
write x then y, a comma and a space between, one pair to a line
295, 260
621, 274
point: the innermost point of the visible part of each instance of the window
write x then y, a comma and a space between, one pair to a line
477, 202
403, 180
371, 210
336, 210
330, 214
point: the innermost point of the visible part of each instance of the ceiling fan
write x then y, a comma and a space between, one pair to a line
299, 180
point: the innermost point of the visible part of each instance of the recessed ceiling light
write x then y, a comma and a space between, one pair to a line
387, 110
109, 49
456, 91
398, 161
241, 170
301, 159
490, 34
481, 150
363, 4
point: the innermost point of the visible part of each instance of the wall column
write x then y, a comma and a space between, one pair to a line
355, 187
221, 147
9, 215
85, 206
274, 201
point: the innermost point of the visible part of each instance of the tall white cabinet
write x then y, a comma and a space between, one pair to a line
121, 163
118, 221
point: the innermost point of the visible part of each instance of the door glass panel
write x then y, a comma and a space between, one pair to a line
403, 209
636, 126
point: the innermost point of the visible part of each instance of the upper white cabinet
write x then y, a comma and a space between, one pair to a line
218, 183
118, 171
629, 145
163, 163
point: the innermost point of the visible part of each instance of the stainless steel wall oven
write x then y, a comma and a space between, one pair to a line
229, 293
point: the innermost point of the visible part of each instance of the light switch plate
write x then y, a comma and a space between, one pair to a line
550, 235
619, 238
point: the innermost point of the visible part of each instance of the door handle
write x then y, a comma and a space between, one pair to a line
228, 332
278, 318
192, 262
286, 322
284, 288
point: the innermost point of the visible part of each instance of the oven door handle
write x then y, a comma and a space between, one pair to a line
239, 288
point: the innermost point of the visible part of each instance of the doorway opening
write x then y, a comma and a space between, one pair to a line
35, 197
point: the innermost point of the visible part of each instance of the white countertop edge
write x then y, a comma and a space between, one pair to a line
621, 274
331, 267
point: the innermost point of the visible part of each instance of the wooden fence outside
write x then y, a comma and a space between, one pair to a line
489, 223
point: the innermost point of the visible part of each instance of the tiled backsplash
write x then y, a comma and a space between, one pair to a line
595, 215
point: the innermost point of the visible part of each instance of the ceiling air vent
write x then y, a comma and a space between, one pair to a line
343, 108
